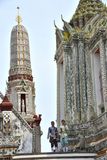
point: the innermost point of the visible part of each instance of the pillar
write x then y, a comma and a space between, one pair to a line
103, 70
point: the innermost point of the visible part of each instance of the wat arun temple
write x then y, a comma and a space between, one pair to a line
81, 61
81, 58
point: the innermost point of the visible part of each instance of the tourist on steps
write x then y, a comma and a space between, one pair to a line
52, 136
63, 136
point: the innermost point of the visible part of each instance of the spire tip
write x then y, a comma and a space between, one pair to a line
18, 18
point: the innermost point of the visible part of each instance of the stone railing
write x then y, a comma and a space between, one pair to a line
22, 120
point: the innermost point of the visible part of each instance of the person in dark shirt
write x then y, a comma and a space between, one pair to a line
52, 136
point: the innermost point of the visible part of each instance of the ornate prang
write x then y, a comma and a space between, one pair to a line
20, 69
15, 126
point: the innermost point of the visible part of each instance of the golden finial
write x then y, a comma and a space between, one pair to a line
18, 18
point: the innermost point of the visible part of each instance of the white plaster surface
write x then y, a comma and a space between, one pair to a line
23, 134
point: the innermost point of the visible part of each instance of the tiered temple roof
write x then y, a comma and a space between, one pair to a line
87, 9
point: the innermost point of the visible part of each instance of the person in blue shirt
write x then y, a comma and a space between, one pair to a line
52, 136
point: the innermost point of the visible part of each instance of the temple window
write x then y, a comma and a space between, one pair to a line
23, 103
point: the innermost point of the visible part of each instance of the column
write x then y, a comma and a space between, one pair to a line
58, 94
82, 80
27, 104
37, 140
74, 105
103, 71
36, 143
68, 83
90, 99
19, 102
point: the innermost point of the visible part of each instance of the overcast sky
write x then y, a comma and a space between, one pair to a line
38, 18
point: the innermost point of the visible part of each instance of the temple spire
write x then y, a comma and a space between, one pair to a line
18, 18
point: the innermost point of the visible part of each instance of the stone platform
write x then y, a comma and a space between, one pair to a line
57, 156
